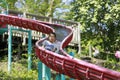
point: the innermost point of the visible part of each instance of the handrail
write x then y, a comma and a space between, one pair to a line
52, 20
43, 17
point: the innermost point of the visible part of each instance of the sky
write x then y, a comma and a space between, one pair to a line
60, 11
66, 1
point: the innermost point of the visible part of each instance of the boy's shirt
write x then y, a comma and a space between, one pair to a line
55, 47
48, 45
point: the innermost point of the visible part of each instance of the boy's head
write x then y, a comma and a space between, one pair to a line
52, 37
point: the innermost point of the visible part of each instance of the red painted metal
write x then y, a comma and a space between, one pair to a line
67, 65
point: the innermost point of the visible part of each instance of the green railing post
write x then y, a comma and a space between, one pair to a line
43, 71
72, 54
40, 70
9, 47
29, 50
58, 76
48, 73
62, 77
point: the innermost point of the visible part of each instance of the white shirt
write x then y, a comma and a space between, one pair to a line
48, 45
57, 46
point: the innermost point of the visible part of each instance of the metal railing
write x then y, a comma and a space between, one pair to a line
36, 35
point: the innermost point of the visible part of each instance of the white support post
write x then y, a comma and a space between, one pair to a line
90, 51
50, 19
24, 33
79, 38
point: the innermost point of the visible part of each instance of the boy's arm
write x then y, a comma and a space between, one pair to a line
57, 46
43, 43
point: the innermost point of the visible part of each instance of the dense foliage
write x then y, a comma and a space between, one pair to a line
39, 7
100, 22
19, 69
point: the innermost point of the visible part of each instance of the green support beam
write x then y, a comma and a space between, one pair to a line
9, 47
10, 29
48, 73
3, 30
29, 50
72, 54
40, 72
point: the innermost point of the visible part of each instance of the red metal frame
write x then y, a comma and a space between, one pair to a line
63, 64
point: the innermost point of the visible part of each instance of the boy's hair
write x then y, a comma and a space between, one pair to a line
53, 34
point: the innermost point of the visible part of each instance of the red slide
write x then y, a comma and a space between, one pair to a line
64, 64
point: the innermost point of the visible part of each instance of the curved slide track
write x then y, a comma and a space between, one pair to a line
64, 63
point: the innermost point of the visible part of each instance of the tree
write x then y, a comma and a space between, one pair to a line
63, 10
99, 21
39, 7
